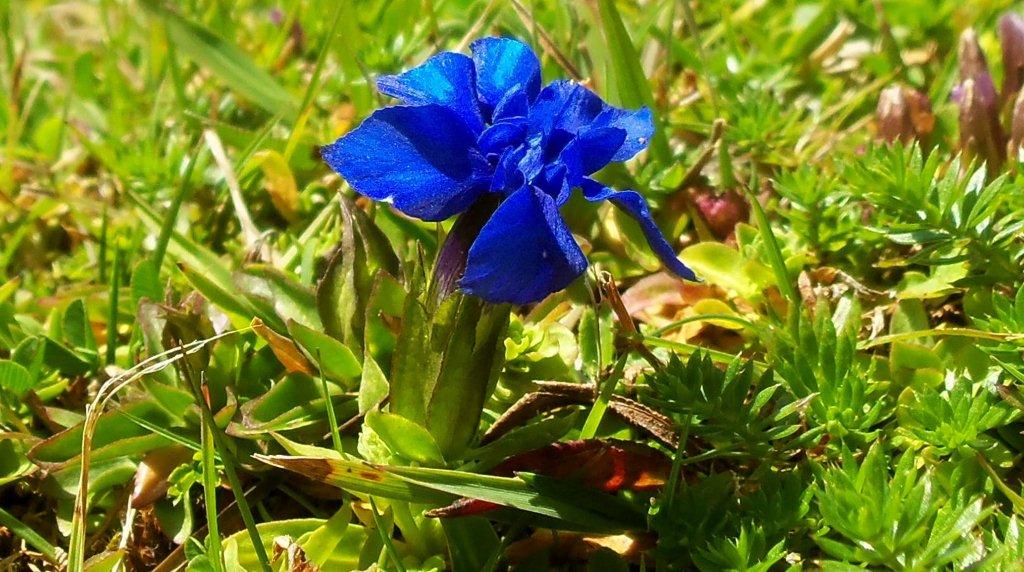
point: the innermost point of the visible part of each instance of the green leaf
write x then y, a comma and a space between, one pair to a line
471, 542
78, 331
114, 437
417, 356
373, 387
511, 492
335, 360
405, 437
278, 296
357, 477
26, 532
225, 296
225, 60
15, 378
724, 266
294, 402
328, 539
145, 282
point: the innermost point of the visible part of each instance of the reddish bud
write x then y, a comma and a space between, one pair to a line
1016, 129
981, 136
721, 212
972, 60
1011, 35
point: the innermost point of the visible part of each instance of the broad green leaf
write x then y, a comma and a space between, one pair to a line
145, 282
225, 296
373, 387
14, 463
114, 437
278, 296
239, 552
233, 66
15, 378
78, 330
405, 437
106, 561
343, 292
724, 266
296, 401
326, 540
301, 450
471, 542
336, 361
417, 357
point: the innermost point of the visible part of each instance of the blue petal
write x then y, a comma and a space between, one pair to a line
523, 253
565, 109
633, 204
497, 138
421, 159
638, 125
504, 65
590, 151
515, 105
507, 177
445, 79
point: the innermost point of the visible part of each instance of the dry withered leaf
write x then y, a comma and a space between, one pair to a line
284, 349
578, 547
289, 552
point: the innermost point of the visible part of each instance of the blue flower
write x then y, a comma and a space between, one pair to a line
482, 127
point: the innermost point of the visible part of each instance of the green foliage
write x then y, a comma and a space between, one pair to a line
880, 516
736, 410
844, 385
817, 359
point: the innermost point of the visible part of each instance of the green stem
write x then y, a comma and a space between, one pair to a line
215, 551
115, 286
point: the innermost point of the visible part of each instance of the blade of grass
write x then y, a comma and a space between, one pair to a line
229, 63
167, 228
26, 532
633, 87
215, 552
332, 417
217, 440
596, 414
378, 523
115, 287
778, 264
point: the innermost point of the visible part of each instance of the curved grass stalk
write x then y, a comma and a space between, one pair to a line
93, 410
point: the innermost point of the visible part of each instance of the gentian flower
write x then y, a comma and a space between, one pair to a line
481, 130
